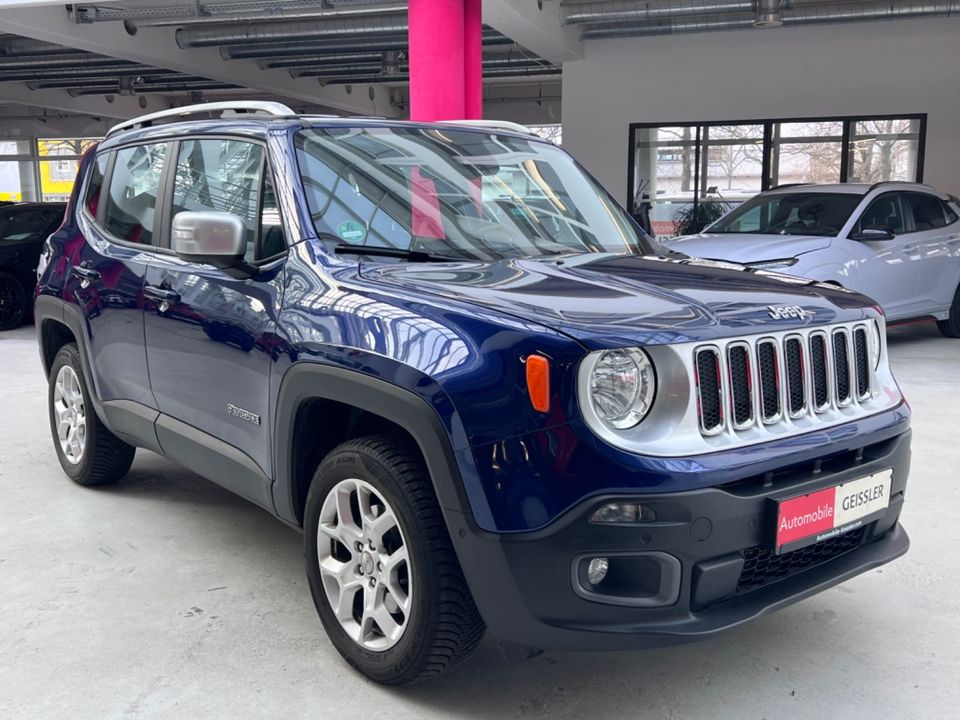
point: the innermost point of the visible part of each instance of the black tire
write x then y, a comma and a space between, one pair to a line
14, 302
443, 626
951, 326
105, 457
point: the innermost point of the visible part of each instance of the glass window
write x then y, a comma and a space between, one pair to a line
457, 192
884, 150
131, 200
885, 211
928, 211
92, 200
272, 240
806, 152
732, 161
951, 215
791, 214
664, 176
224, 176
17, 181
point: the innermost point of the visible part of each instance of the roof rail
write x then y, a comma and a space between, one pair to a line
493, 125
788, 185
900, 182
236, 106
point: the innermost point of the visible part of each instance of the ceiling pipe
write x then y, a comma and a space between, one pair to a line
195, 12
312, 47
581, 13
82, 74
313, 60
489, 66
259, 32
142, 90
515, 74
769, 14
40, 63
26, 47
791, 12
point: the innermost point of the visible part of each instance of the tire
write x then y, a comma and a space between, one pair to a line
90, 454
14, 302
951, 326
439, 625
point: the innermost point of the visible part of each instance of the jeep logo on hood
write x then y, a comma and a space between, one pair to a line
784, 312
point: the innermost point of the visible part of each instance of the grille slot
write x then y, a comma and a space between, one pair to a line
710, 390
862, 359
763, 567
768, 368
741, 390
818, 372
796, 391
841, 367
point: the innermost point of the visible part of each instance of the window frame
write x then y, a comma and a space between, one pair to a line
848, 126
102, 206
265, 167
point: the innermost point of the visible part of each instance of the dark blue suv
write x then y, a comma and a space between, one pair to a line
486, 398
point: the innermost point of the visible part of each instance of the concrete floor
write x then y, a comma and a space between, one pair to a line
167, 597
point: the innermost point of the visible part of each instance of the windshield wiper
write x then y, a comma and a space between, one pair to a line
400, 253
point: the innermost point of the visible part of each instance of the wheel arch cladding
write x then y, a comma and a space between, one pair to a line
321, 405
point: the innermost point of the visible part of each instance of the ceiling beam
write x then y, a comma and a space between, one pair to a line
157, 47
536, 26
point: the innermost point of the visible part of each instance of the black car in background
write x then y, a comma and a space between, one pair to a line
23, 229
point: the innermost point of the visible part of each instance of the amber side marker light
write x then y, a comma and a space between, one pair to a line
538, 382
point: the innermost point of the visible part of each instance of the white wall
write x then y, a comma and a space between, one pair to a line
875, 68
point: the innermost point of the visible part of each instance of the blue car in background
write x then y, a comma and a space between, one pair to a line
449, 358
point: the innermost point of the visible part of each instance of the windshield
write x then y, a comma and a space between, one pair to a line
790, 214
457, 193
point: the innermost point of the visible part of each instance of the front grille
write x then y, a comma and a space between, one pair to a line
862, 359
762, 567
709, 386
796, 392
768, 381
841, 366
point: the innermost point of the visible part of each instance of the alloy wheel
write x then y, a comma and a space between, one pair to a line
71, 418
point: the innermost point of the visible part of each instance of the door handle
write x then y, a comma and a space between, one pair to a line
163, 296
87, 275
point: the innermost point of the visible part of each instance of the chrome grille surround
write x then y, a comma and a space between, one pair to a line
673, 426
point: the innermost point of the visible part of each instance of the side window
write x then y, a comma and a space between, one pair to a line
951, 215
131, 199
928, 211
224, 176
886, 210
92, 199
27, 225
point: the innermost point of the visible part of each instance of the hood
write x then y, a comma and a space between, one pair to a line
744, 248
606, 300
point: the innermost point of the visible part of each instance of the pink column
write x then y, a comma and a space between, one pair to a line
436, 59
472, 59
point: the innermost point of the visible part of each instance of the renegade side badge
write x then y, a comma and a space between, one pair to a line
239, 412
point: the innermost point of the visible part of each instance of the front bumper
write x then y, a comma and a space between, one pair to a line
721, 539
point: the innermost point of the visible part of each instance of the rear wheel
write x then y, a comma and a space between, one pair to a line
951, 326
382, 570
88, 452
13, 302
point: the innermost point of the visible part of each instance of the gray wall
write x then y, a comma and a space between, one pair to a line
908, 66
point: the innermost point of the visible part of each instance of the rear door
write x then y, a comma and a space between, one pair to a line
935, 242
887, 270
211, 337
108, 262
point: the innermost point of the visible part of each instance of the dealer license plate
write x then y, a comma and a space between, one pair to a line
818, 516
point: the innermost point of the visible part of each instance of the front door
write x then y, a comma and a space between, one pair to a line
886, 270
211, 337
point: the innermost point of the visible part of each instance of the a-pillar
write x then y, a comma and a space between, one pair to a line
446, 59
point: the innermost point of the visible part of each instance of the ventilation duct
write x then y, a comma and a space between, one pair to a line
609, 12
258, 32
220, 12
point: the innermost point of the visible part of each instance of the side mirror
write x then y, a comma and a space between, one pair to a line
874, 232
213, 238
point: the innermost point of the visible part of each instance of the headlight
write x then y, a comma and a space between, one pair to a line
772, 264
876, 340
622, 386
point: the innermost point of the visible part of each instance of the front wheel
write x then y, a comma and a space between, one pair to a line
951, 326
382, 570
13, 302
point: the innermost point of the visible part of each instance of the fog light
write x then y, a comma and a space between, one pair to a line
597, 570
623, 513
